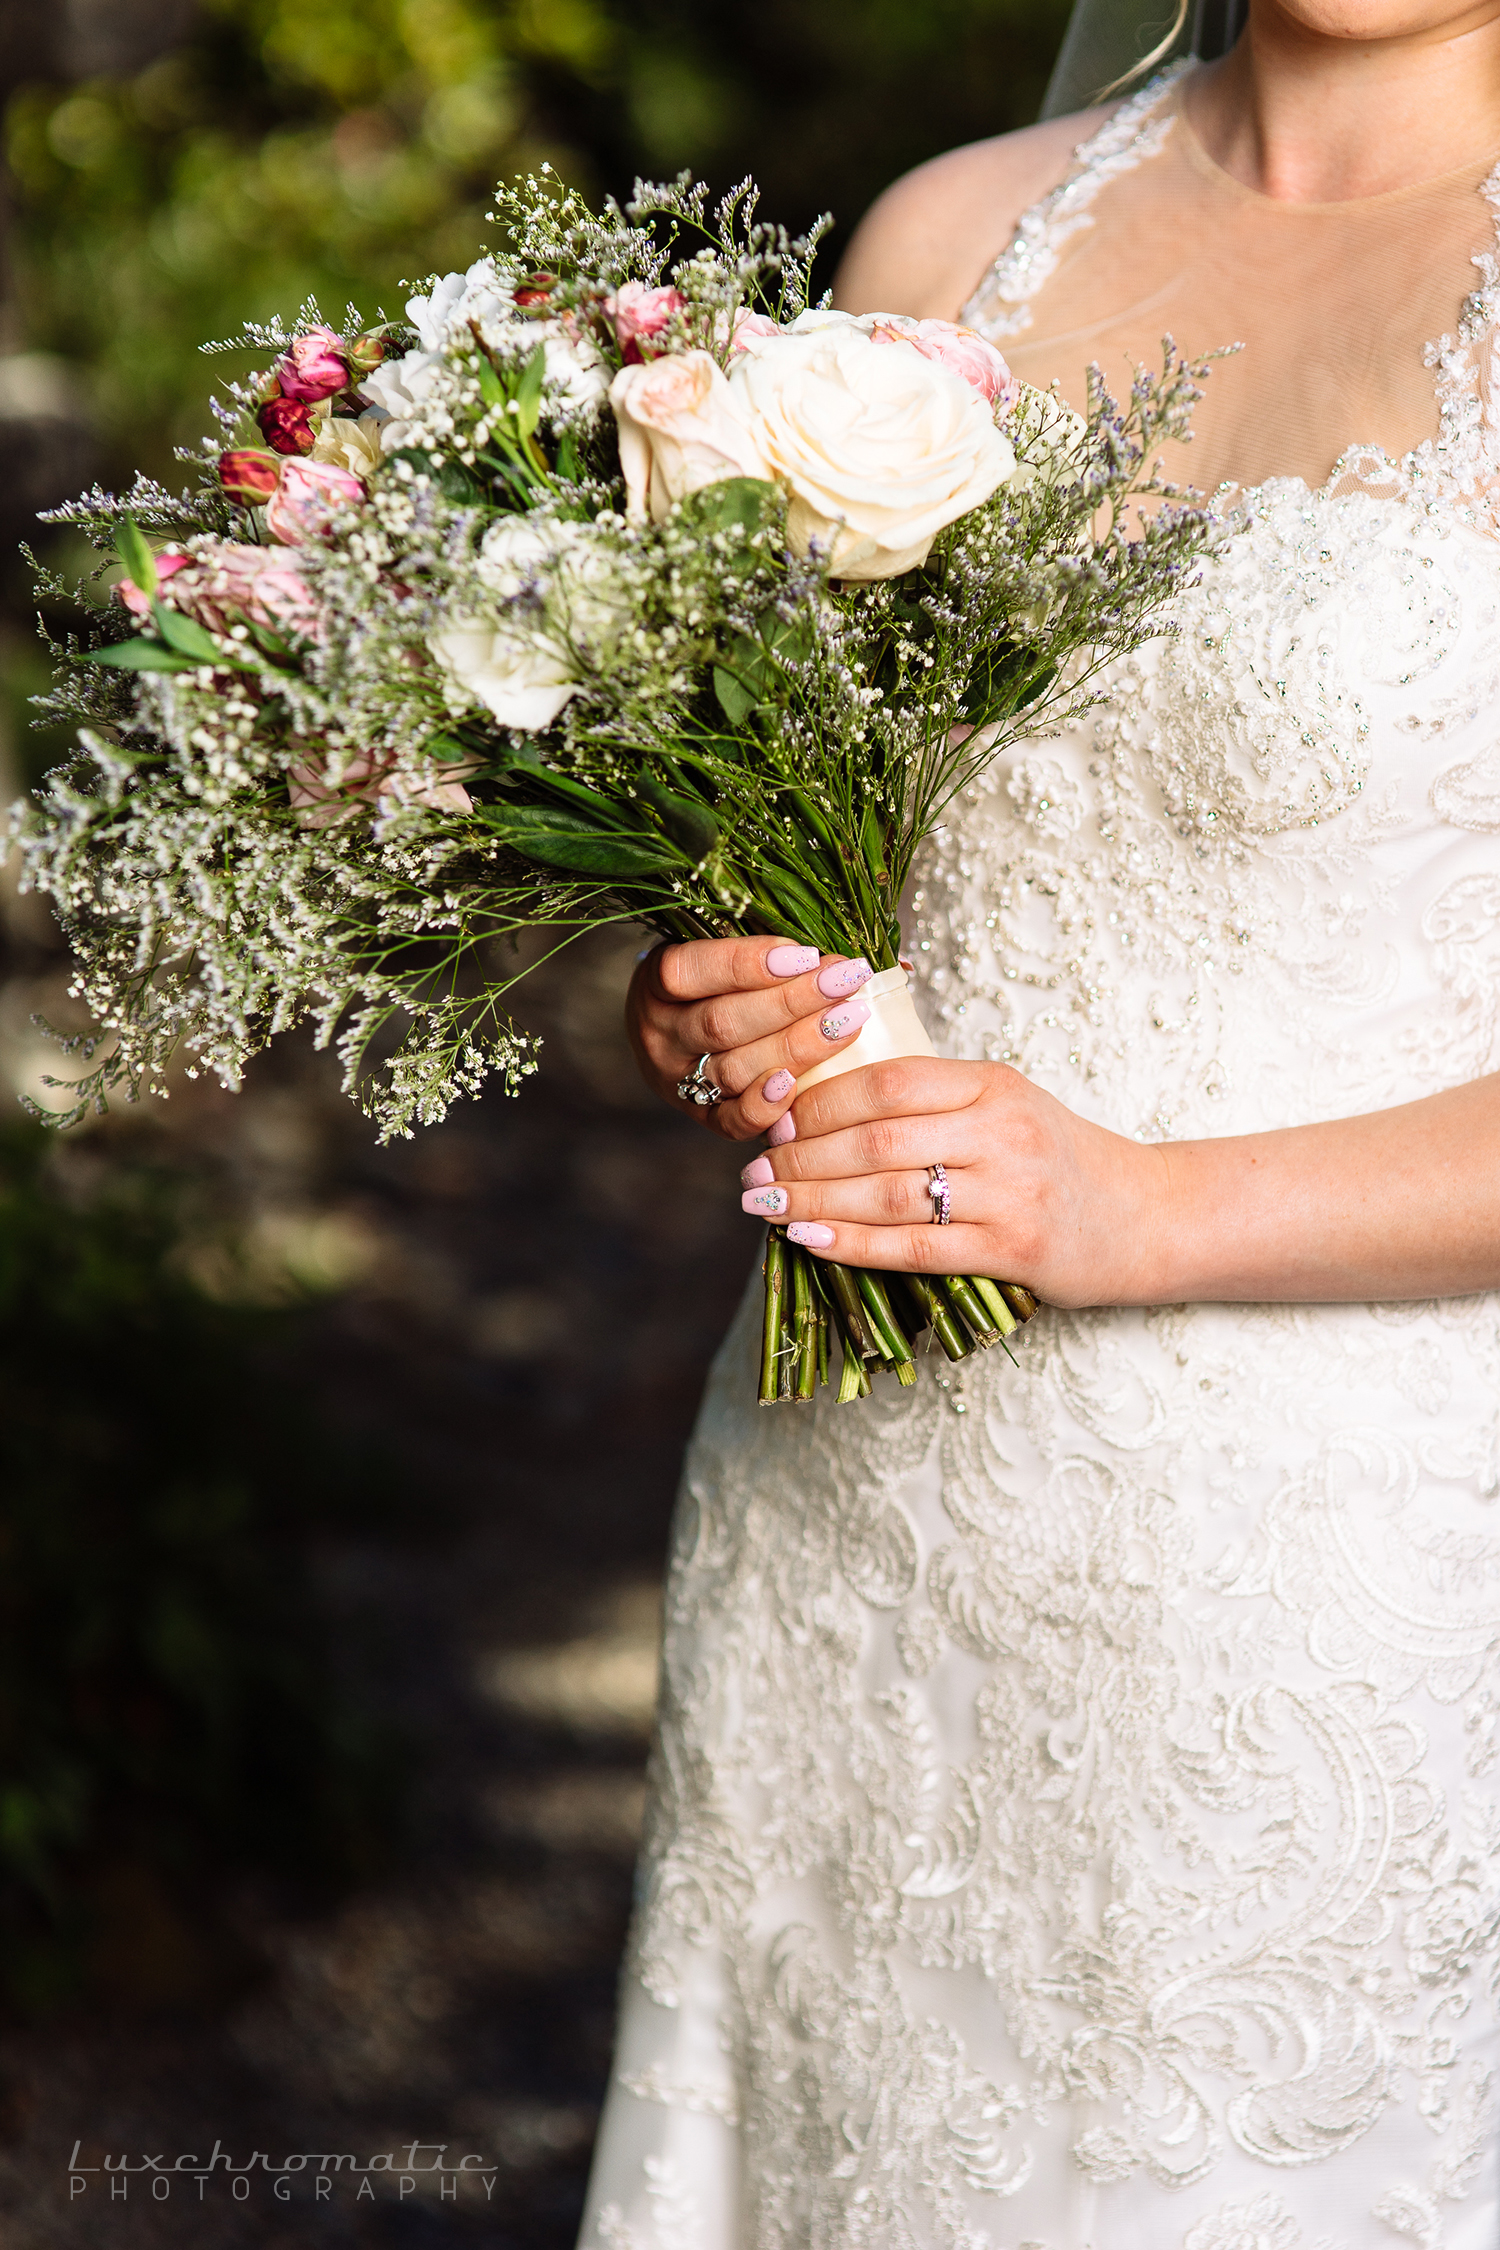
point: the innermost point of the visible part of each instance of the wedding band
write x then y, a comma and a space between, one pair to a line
942, 1195
699, 1087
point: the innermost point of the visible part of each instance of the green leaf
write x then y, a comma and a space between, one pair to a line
795, 898
491, 389
736, 700
529, 392
187, 636
686, 820
135, 554
139, 656
555, 838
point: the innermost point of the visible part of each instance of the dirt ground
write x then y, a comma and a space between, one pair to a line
522, 1306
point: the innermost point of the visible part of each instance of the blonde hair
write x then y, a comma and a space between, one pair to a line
1159, 53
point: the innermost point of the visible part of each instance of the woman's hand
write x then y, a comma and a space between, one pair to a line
1039, 1196
761, 1009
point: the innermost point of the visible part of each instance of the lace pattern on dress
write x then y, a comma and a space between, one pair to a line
1084, 1775
999, 305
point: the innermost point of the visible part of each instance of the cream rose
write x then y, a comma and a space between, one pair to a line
879, 449
345, 443
682, 426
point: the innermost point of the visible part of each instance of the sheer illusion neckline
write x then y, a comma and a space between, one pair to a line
1355, 313
1475, 168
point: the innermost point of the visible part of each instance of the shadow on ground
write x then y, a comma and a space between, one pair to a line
520, 1307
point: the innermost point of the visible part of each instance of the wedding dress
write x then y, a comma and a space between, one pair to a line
1075, 1817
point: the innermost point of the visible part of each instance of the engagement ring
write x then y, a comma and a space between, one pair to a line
942, 1199
698, 1087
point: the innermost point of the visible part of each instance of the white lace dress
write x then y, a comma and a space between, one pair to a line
1075, 1818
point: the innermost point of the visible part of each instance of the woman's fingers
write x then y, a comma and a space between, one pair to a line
760, 1080
908, 1087
884, 1199
730, 1020
901, 1249
703, 967
883, 1144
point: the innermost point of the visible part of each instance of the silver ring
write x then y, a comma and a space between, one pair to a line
942, 1195
699, 1087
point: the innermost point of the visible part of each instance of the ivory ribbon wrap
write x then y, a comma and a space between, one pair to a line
894, 1029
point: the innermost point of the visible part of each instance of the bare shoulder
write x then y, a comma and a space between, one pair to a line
923, 245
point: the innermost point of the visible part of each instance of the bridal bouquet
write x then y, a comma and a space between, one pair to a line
615, 583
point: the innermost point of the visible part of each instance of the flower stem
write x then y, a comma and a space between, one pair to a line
805, 1323
774, 1270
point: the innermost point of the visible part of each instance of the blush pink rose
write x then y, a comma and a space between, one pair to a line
313, 366
641, 315
306, 496
139, 604
224, 583
319, 801
962, 350
681, 427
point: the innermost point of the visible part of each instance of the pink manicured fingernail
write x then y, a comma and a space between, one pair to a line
839, 1022
809, 1234
769, 1201
757, 1173
792, 960
843, 976
782, 1130
777, 1086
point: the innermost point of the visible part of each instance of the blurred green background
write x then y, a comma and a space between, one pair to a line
320, 1748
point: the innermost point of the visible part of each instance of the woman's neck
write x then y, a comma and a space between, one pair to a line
1351, 98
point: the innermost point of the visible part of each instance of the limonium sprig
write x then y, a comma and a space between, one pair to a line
552, 605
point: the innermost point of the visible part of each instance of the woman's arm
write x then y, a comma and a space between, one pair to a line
1402, 1203
923, 246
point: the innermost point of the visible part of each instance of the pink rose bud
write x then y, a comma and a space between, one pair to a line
307, 494
248, 476
641, 315
961, 350
366, 354
286, 425
314, 366
139, 604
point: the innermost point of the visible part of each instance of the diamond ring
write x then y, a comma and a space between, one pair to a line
942, 1196
698, 1087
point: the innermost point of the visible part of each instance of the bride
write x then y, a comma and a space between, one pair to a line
1075, 1817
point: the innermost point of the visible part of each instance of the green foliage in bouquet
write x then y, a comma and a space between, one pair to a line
165, 1694
553, 610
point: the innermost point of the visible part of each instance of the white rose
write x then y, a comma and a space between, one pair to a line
682, 426
879, 448
526, 666
350, 445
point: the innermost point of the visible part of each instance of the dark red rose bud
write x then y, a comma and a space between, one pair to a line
536, 289
366, 353
248, 476
286, 425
